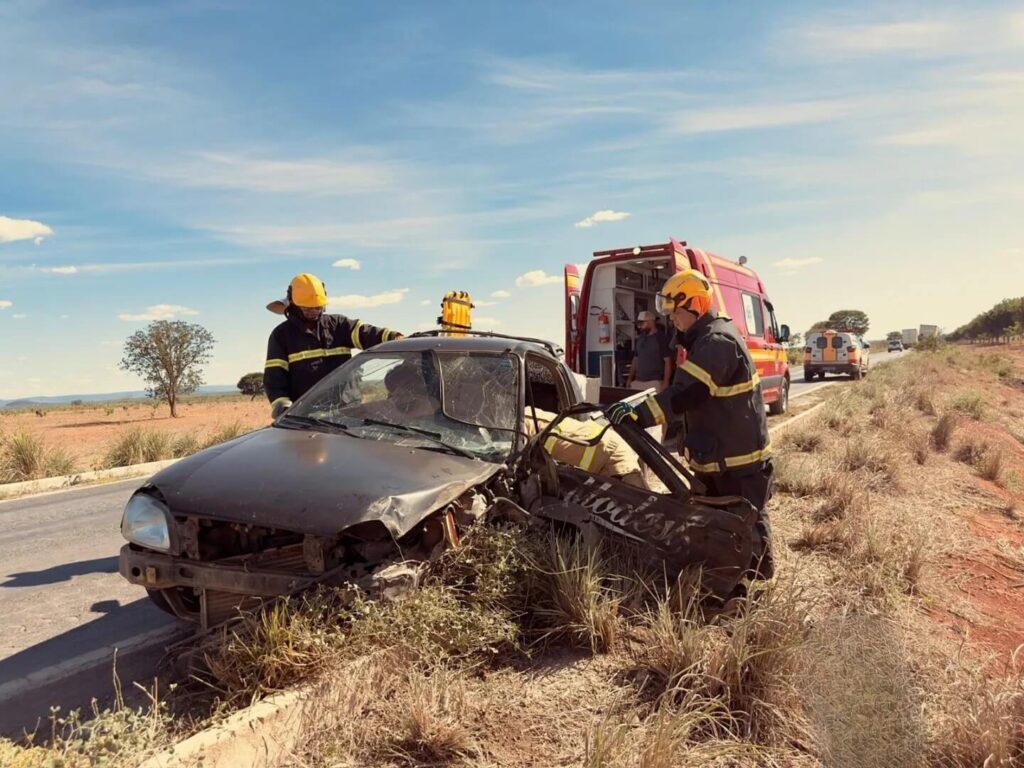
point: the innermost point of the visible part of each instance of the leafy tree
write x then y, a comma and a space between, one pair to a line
251, 384
850, 320
1002, 321
821, 325
168, 355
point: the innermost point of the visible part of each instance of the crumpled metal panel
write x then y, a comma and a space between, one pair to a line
714, 533
314, 482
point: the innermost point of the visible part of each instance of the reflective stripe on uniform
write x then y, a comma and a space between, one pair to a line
655, 408
355, 335
589, 453
731, 462
716, 391
276, 363
280, 399
749, 458
311, 354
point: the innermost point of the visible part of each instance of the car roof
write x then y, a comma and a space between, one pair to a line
495, 344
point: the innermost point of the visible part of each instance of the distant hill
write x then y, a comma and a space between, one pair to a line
37, 402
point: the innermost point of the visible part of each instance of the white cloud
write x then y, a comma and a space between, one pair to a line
348, 264
359, 301
159, 312
735, 118
314, 176
599, 216
38, 240
797, 263
69, 270
913, 37
485, 323
536, 277
4, 304
500, 295
22, 229
426, 302
483, 303
19, 317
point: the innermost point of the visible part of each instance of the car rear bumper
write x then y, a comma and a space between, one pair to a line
831, 367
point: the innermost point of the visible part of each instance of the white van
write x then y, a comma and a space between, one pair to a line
835, 352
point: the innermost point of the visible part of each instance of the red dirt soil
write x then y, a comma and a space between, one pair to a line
87, 431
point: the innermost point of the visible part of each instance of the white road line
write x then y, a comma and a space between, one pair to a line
55, 672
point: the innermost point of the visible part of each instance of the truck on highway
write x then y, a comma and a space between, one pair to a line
909, 337
927, 331
601, 310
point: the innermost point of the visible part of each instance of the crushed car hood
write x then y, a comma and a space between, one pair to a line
314, 482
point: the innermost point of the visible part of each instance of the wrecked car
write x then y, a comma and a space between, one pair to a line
385, 462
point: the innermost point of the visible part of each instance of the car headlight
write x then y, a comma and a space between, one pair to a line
145, 523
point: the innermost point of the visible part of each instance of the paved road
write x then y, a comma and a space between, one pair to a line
63, 602
799, 386
61, 598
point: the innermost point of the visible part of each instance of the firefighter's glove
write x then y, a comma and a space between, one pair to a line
620, 412
279, 407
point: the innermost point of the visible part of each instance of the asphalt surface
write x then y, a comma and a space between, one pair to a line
64, 606
66, 609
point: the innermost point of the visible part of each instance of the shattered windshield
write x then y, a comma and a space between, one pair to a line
448, 401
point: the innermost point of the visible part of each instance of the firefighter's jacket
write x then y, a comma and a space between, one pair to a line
718, 393
609, 457
298, 357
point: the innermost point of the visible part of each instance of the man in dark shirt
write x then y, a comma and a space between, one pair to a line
653, 365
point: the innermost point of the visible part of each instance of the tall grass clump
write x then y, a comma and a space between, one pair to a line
942, 432
24, 456
970, 403
139, 446
225, 433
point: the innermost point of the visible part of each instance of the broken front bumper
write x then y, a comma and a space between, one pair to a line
158, 571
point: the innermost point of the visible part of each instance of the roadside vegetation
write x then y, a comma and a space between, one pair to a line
24, 456
138, 445
889, 637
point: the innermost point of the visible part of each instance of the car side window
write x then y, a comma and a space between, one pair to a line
544, 387
753, 314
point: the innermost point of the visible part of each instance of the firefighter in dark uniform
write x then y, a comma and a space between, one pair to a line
717, 392
310, 343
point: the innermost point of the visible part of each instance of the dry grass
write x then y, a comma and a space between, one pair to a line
117, 737
942, 432
575, 598
24, 456
970, 403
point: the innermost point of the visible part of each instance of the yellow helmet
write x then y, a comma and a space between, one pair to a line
689, 290
307, 291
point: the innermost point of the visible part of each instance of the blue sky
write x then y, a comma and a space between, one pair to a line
185, 160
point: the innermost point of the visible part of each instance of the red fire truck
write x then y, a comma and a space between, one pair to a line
602, 308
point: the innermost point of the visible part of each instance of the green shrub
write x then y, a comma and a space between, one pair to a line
969, 403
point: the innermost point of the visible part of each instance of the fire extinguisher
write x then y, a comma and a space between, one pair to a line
604, 328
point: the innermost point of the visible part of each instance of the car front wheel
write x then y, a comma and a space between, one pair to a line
781, 405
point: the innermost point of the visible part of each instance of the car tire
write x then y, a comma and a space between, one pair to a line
808, 377
160, 600
781, 405
855, 374
183, 597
